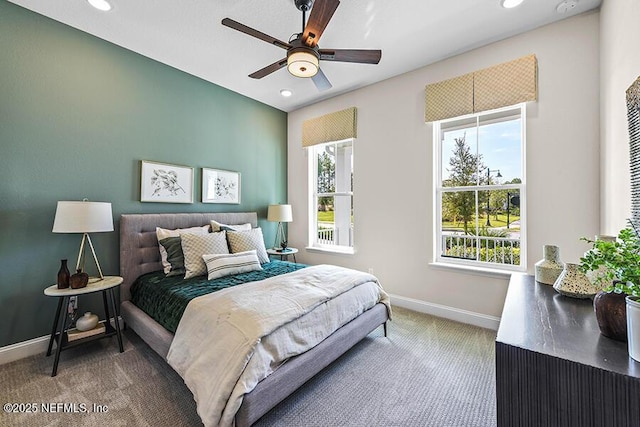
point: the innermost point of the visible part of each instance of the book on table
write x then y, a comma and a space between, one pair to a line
74, 334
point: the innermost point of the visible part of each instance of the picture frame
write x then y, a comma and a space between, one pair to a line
220, 186
165, 183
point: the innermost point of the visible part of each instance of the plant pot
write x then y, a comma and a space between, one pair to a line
633, 326
611, 313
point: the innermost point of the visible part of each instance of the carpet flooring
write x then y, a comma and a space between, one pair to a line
428, 372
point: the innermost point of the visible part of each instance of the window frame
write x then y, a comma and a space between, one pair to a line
312, 239
438, 189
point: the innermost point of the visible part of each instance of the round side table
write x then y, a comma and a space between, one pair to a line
106, 286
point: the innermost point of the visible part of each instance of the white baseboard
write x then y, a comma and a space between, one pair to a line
23, 349
452, 313
28, 348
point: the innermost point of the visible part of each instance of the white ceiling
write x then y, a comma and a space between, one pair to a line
188, 35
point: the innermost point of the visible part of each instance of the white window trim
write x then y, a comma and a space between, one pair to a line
463, 264
313, 245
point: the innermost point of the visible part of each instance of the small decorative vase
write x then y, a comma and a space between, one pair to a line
594, 275
87, 322
549, 268
63, 275
79, 280
611, 313
573, 283
633, 326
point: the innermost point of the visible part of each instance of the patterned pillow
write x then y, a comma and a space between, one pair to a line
163, 233
175, 257
226, 264
241, 241
194, 246
217, 226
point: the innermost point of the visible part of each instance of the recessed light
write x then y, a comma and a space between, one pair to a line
286, 93
100, 4
508, 4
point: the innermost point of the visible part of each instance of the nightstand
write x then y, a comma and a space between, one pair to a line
284, 255
107, 287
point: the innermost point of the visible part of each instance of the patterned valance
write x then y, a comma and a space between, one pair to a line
494, 87
449, 98
330, 127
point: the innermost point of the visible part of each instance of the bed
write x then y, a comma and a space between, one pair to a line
139, 255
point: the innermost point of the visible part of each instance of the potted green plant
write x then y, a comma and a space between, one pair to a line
617, 263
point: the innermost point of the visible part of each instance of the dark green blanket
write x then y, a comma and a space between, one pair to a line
166, 298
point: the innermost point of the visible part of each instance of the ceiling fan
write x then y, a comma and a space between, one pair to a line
303, 52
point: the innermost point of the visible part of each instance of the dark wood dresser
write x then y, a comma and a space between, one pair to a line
553, 368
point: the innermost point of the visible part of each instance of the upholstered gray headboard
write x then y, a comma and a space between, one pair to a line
139, 252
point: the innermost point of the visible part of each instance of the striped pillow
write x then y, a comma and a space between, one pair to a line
241, 241
194, 246
219, 265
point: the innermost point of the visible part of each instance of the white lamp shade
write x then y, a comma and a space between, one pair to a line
83, 217
279, 213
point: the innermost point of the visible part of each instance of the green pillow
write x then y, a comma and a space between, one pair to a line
175, 257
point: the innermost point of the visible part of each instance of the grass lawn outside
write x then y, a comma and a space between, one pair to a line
325, 216
500, 222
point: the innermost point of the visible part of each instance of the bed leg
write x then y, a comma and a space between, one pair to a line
384, 326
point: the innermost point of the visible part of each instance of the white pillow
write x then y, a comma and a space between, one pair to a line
196, 245
219, 265
163, 233
217, 226
241, 241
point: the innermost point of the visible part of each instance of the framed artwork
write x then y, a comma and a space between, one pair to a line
220, 186
165, 183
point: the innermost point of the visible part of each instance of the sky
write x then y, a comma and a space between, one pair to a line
499, 144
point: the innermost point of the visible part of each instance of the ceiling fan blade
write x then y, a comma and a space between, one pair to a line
269, 69
320, 16
321, 81
361, 56
255, 33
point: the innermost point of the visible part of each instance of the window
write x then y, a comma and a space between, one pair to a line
331, 204
480, 189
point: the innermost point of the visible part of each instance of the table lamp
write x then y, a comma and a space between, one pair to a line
84, 217
280, 214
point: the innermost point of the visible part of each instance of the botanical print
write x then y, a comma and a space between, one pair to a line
225, 189
166, 183
220, 186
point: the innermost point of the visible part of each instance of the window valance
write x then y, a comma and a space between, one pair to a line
330, 127
494, 87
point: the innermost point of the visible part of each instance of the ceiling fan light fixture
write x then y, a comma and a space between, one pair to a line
508, 4
302, 64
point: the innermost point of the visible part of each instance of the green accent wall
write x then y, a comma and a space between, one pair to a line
77, 114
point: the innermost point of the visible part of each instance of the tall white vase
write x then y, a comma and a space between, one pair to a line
633, 327
549, 268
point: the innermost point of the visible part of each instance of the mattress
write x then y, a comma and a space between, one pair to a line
165, 298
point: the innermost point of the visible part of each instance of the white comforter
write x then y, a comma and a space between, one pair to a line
229, 340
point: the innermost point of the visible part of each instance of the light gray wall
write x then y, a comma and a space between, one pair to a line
619, 68
393, 181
